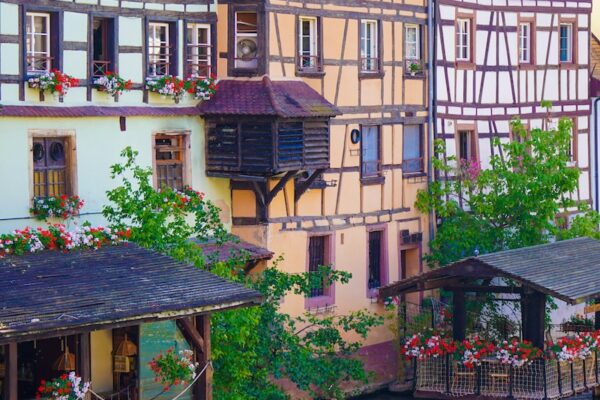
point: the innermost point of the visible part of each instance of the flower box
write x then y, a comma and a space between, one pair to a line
54, 82
112, 84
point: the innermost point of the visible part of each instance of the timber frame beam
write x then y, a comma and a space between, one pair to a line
302, 187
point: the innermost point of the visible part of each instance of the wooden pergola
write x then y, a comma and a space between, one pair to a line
53, 294
567, 270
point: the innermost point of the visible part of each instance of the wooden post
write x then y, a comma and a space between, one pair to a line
597, 316
459, 322
10, 373
84, 360
204, 386
533, 310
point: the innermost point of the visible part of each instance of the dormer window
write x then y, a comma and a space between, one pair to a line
246, 40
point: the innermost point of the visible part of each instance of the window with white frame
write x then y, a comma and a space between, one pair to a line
566, 42
308, 56
199, 50
463, 39
159, 49
412, 42
369, 46
38, 42
525, 42
246, 40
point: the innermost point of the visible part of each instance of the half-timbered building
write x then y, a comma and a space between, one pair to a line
498, 59
320, 128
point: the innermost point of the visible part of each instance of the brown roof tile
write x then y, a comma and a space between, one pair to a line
285, 99
93, 111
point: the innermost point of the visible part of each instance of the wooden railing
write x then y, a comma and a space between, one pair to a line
99, 68
369, 64
38, 63
309, 62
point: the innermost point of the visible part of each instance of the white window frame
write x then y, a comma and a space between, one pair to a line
313, 36
416, 43
154, 42
569, 48
193, 58
32, 37
463, 39
369, 51
240, 63
525, 42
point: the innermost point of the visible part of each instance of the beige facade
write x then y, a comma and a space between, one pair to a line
357, 58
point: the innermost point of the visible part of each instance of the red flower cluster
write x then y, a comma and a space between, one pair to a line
65, 387
54, 81
112, 83
473, 351
569, 348
61, 207
172, 369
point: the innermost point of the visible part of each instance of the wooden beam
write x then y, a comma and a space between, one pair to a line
302, 187
191, 334
84, 359
533, 310
204, 386
10, 373
280, 185
459, 321
484, 289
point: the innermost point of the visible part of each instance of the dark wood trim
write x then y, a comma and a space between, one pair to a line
84, 359
532, 9
9, 38
302, 187
349, 15
262, 39
10, 372
77, 46
191, 335
280, 185
131, 49
205, 383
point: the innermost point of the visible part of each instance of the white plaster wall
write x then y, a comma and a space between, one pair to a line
99, 142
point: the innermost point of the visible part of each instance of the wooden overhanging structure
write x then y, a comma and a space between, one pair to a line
567, 270
258, 129
51, 294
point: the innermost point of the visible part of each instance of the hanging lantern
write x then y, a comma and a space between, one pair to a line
65, 362
126, 348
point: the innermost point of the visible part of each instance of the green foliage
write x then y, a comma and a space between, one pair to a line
251, 346
514, 203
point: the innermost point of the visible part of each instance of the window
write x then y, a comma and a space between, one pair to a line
317, 257
370, 152
463, 39
369, 46
525, 43
412, 150
160, 50
170, 161
376, 272
102, 46
466, 148
566, 43
412, 42
51, 175
308, 57
573, 142
38, 42
199, 50
246, 40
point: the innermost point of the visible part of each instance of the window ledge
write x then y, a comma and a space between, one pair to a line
310, 73
373, 180
371, 75
319, 301
568, 65
241, 72
415, 174
419, 76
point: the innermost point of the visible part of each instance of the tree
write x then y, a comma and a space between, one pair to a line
251, 346
517, 202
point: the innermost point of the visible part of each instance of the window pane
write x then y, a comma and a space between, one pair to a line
246, 22
50, 169
40, 24
370, 150
374, 260
412, 142
316, 258
170, 161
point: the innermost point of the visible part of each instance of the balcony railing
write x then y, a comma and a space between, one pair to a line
39, 63
309, 63
369, 64
99, 68
201, 69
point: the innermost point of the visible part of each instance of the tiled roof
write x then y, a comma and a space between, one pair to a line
264, 97
595, 65
48, 293
217, 253
565, 270
65, 111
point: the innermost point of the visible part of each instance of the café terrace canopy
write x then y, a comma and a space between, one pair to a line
568, 270
52, 293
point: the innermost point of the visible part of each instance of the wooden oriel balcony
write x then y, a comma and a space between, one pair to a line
261, 128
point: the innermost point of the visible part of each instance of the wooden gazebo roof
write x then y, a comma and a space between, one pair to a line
567, 270
53, 293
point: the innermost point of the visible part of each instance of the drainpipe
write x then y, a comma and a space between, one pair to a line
596, 133
431, 116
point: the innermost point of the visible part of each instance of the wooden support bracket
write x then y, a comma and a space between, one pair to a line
303, 186
280, 185
191, 334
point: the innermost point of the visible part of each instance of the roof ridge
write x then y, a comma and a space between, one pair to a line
269, 86
533, 247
